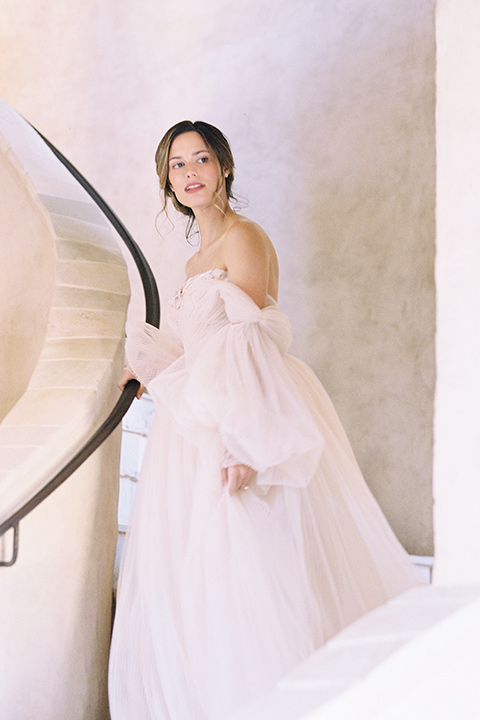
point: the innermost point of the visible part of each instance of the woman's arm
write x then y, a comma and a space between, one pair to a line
247, 256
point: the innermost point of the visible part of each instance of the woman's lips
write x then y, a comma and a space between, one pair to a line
193, 187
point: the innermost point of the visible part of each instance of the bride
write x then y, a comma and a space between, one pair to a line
254, 537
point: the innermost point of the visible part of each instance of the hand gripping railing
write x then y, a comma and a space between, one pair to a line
152, 316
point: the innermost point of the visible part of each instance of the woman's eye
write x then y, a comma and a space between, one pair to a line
177, 165
203, 159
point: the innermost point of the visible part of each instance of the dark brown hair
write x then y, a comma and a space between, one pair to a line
215, 141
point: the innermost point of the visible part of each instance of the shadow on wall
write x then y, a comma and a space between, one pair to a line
366, 248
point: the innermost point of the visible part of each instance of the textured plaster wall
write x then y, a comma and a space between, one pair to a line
28, 281
56, 634
457, 427
330, 111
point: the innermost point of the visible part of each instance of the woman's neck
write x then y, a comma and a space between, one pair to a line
212, 224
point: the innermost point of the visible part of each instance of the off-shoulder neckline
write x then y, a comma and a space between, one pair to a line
217, 273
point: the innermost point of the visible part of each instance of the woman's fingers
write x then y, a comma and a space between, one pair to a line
126, 377
238, 477
140, 391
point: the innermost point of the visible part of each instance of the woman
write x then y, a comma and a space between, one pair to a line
254, 537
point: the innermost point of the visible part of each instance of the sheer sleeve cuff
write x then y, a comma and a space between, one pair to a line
149, 350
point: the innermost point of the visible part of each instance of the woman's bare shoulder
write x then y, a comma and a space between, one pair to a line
249, 234
251, 260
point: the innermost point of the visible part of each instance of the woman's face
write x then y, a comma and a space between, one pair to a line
193, 171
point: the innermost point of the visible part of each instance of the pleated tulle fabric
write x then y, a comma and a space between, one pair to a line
219, 595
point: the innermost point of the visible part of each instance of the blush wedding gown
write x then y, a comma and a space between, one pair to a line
220, 595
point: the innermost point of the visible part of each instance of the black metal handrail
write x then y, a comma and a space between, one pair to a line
152, 316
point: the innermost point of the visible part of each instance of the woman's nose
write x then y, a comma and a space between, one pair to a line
190, 170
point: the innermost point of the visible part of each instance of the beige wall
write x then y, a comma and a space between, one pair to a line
457, 435
56, 634
330, 110
28, 281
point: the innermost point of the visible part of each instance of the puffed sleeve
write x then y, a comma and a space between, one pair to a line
149, 350
241, 384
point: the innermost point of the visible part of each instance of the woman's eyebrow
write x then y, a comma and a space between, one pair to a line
179, 157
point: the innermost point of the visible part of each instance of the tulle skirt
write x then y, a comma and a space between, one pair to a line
219, 595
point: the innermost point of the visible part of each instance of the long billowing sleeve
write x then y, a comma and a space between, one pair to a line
237, 384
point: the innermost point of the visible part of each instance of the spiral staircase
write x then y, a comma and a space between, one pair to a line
64, 299
63, 302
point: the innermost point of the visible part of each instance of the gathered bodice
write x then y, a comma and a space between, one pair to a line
195, 311
208, 302
217, 273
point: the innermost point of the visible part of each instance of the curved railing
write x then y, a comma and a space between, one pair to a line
152, 316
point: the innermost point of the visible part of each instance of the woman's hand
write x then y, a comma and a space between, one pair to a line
128, 375
237, 477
